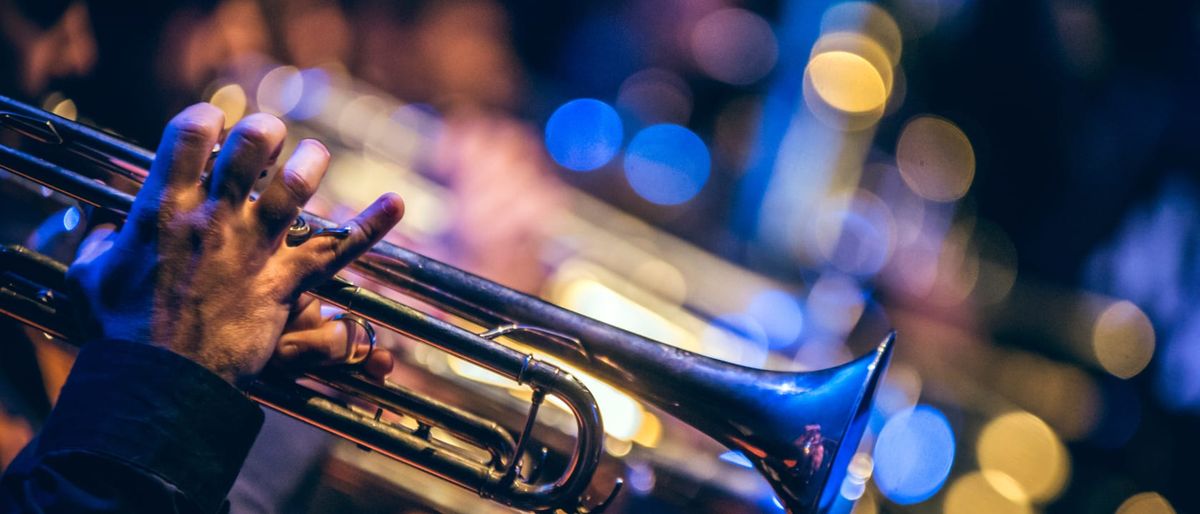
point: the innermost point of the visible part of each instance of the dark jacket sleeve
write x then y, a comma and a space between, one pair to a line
136, 429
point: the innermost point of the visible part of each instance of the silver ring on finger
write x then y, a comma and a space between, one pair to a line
353, 356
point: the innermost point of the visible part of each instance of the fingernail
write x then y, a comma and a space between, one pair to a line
391, 204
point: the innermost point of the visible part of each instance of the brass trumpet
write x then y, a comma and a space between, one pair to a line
800, 430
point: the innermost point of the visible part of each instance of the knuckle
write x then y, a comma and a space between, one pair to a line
296, 185
254, 134
192, 130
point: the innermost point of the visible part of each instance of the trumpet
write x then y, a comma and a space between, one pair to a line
799, 430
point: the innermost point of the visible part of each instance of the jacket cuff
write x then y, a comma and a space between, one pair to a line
159, 411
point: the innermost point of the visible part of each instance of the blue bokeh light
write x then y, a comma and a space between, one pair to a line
667, 164
584, 134
312, 86
913, 455
779, 314
71, 218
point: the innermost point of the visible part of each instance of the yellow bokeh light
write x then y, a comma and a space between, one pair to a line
1146, 503
231, 100
650, 433
935, 159
868, 19
1024, 448
1123, 339
974, 493
847, 82
66, 108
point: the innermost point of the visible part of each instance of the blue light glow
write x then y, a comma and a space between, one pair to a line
71, 219
667, 164
734, 457
313, 86
584, 134
779, 314
913, 455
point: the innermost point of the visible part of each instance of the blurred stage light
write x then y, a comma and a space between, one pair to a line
857, 474
974, 493
70, 218
847, 82
662, 278
656, 96
667, 164
1123, 339
913, 455
900, 390
314, 92
935, 159
737, 338
836, 302
1146, 503
66, 108
1024, 449
869, 20
279, 90
734, 46
779, 314
231, 100
855, 232
583, 134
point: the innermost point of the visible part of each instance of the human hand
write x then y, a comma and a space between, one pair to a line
200, 269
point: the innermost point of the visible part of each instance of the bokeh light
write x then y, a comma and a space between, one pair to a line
935, 159
974, 493
836, 302
868, 19
737, 338
583, 134
1146, 503
667, 164
314, 84
779, 314
734, 46
855, 232
847, 82
279, 90
913, 455
66, 108
1022, 447
1123, 339
231, 100
656, 95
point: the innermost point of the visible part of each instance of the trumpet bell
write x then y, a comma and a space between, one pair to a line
800, 430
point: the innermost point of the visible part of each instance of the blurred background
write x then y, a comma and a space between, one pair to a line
1012, 185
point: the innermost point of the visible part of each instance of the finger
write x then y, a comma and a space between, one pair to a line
292, 187
250, 148
306, 313
321, 257
183, 153
379, 364
333, 342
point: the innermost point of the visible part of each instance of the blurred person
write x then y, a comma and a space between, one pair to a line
151, 418
42, 43
154, 58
